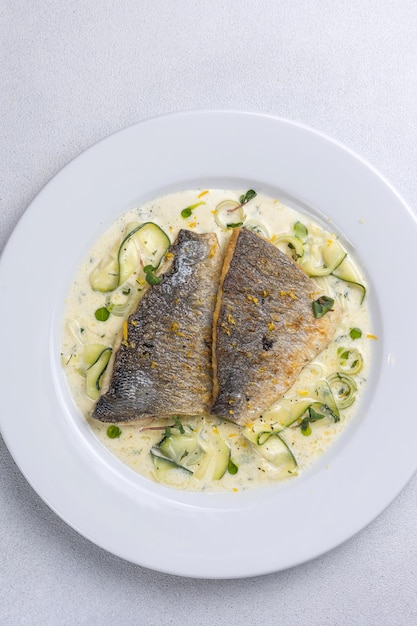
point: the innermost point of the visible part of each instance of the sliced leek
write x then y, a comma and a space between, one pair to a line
292, 246
343, 388
350, 360
257, 227
229, 214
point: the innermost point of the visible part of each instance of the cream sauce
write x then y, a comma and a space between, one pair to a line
132, 447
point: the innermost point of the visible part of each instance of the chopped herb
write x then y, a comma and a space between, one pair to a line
322, 305
244, 199
355, 333
102, 314
189, 209
113, 432
126, 291
232, 468
236, 225
178, 424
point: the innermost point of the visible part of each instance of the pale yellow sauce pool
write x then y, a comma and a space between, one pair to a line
132, 447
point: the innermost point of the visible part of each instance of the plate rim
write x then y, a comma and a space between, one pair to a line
215, 569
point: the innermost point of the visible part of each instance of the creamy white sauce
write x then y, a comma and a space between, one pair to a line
132, 447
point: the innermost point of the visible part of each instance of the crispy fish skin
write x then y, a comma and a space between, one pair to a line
264, 331
163, 367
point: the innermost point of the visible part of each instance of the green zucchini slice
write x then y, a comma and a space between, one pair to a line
325, 259
272, 447
96, 358
144, 245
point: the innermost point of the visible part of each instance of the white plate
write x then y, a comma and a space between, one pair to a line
206, 535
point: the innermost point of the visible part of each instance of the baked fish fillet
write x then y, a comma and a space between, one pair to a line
163, 367
264, 331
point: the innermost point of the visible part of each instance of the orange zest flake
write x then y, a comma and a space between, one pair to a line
225, 328
153, 364
215, 430
369, 336
134, 322
231, 320
174, 328
212, 251
235, 489
292, 295
230, 435
302, 392
203, 193
125, 330
169, 255
192, 224
271, 326
231, 412
253, 299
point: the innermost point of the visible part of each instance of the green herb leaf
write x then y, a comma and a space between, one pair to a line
113, 432
313, 416
151, 279
149, 268
189, 209
102, 314
232, 468
178, 424
300, 231
244, 199
355, 333
322, 305
236, 225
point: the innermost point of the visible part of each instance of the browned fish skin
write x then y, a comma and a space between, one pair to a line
163, 367
265, 331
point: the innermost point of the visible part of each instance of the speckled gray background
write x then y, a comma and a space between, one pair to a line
71, 73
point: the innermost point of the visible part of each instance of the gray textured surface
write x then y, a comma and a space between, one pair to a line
73, 72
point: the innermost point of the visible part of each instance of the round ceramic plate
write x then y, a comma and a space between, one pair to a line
196, 534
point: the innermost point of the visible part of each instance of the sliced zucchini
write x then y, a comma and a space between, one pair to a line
221, 458
272, 447
144, 244
324, 259
162, 464
347, 272
105, 277
217, 456
96, 358
288, 411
